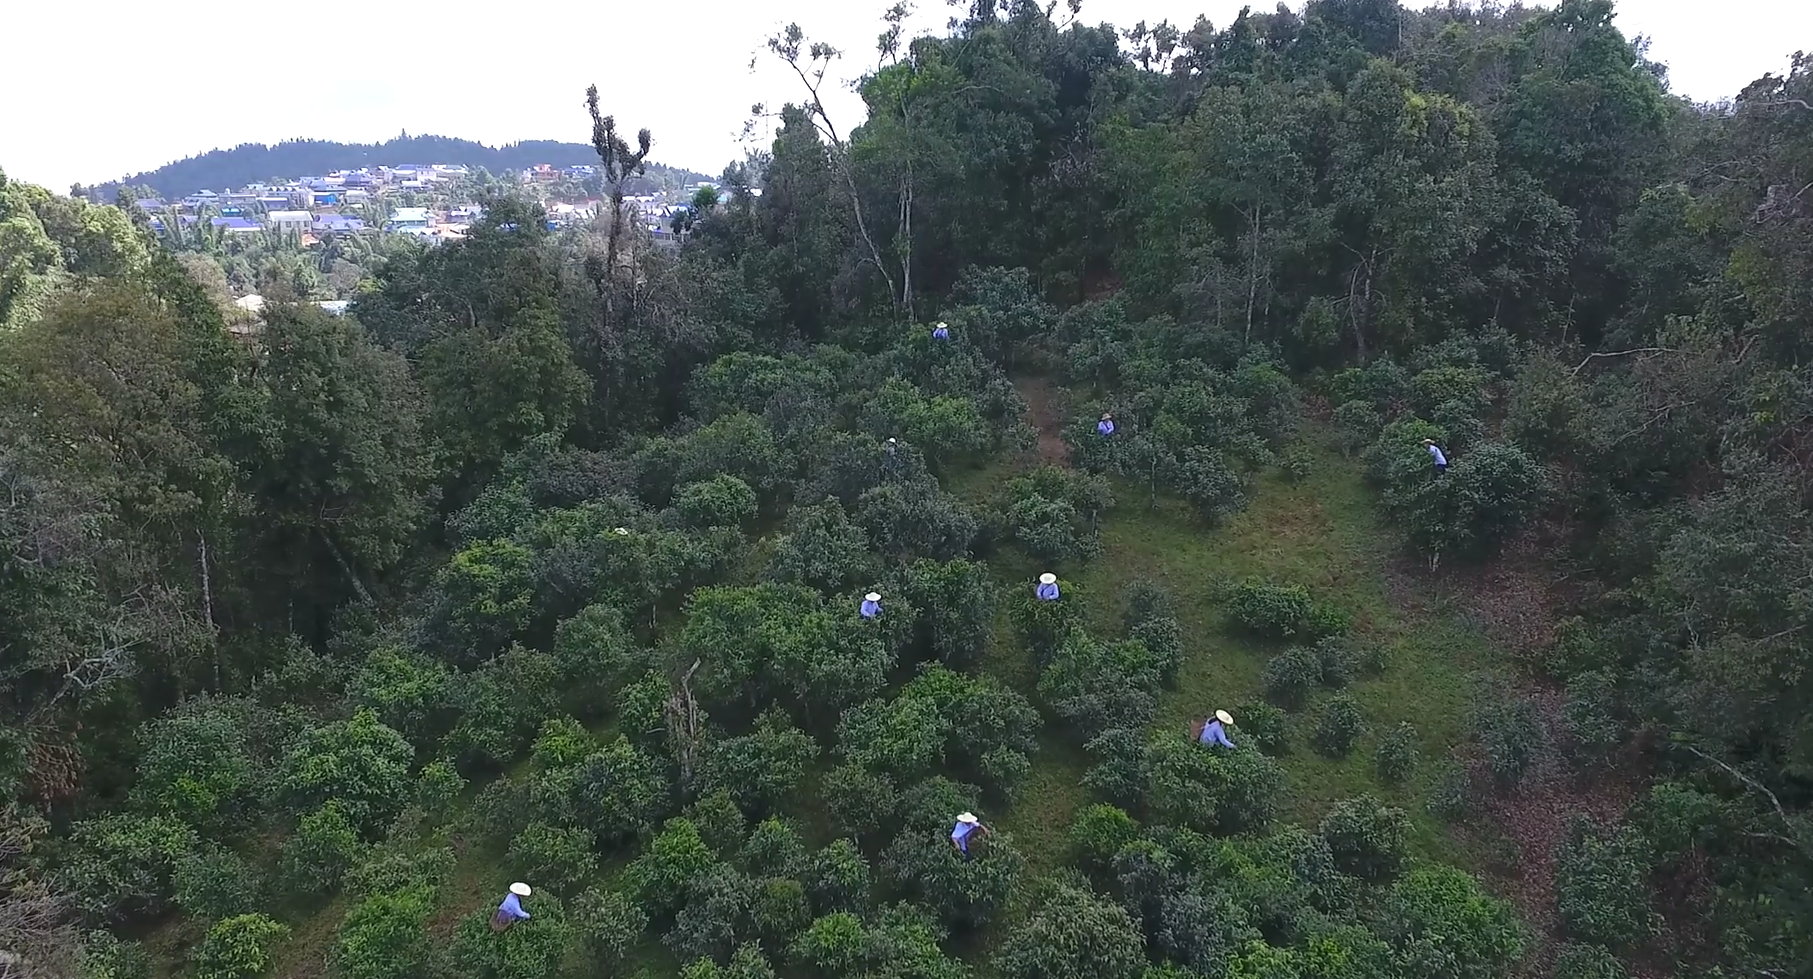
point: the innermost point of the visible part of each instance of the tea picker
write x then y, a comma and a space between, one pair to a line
1048, 587
510, 912
1105, 427
1215, 731
1435, 452
967, 826
871, 605
941, 332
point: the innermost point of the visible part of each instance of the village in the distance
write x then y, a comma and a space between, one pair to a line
431, 203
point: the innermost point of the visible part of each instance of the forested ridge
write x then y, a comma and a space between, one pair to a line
228, 169
696, 587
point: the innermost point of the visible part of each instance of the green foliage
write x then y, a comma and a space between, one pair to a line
1511, 735
1276, 611
195, 768
1098, 833
385, 936
1602, 886
1339, 726
1291, 676
358, 763
822, 548
721, 501
761, 770
609, 926
1096, 686
1366, 838
1264, 725
239, 948
324, 845
1441, 922
530, 949
620, 792
1591, 716
1451, 798
956, 606
120, 868
658, 879
1073, 934
436, 787
212, 883
1398, 754
1576, 961
560, 857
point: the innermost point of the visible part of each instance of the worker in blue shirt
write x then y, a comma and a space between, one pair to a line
1215, 732
1105, 426
871, 605
1435, 452
1048, 587
967, 826
510, 912
941, 332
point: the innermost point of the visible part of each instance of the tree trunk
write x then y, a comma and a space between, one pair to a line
207, 602
340, 559
1252, 268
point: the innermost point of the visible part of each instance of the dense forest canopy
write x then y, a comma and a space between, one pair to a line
249, 163
695, 587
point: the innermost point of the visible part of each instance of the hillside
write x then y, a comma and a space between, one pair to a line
1297, 501
250, 162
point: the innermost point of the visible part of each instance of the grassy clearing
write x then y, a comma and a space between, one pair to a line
1323, 532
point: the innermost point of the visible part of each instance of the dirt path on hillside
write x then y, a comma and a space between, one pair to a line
1043, 414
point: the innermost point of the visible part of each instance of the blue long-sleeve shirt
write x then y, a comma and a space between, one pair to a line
1105, 427
1212, 733
941, 334
1048, 593
870, 609
513, 908
1435, 452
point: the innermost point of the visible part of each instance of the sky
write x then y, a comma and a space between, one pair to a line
117, 95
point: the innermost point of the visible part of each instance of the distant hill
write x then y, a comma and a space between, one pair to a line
252, 162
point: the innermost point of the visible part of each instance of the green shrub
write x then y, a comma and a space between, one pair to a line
239, 948
1275, 611
399, 864
1073, 933
1590, 716
1366, 838
1296, 464
1576, 961
105, 956
1337, 661
437, 787
120, 868
1398, 754
530, 949
1451, 798
1511, 735
1447, 917
385, 936
1045, 625
1266, 726
213, 883
1340, 726
562, 858
321, 849
358, 763
1098, 832
1357, 425
1203, 477
1290, 676
721, 501
1602, 891
610, 926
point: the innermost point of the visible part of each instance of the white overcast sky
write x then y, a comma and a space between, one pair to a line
91, 90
